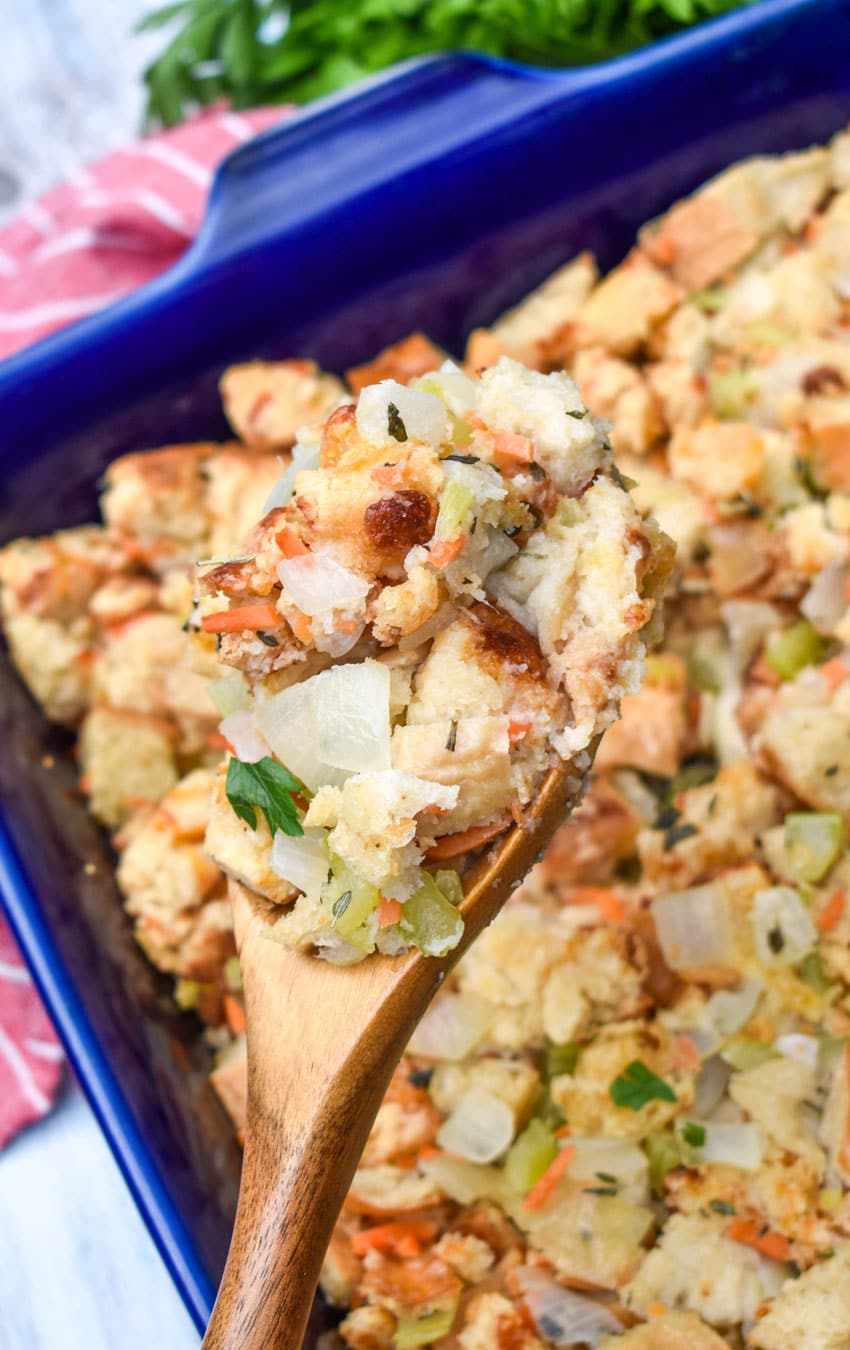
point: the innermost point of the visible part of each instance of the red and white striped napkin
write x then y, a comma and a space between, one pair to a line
85, 244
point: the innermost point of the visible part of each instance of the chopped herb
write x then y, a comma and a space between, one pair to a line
776, 939
712, 805
579, 413
629, 869
537, 471
562, 1059
599, 1190
267, 638
663, 1155
421, 1077
462, 459
677, 834
667, 817
269, 786
637, 1085
452, 740
607, 1176
693, 1134
831, 771
721, 1207
825, 1254
694, 773
742, 505
474, 526
341, 904
813, 974
395, 425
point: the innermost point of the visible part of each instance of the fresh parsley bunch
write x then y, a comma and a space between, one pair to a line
274, 51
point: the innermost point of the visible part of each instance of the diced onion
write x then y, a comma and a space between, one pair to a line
480, 1129
494, 551
450, 384
563, 1317
622, 1158
429, 629
783, 928
423, 416
463, 1181
316, 583
452, 1027
244, 737
805, 1049
351, 710
304, 456
748, 623
738, 1145
287, 722
303, 862
336, 643
693, 926
482, 480
825, 602
710, 1085
730, 1009
230, 693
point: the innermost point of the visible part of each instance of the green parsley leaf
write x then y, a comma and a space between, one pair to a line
693, 1134
721, 1207
562, 1059
269, 786
637, 1085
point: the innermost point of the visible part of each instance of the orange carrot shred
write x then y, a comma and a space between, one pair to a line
403, 1237
247, 618
235, 1014
511, 446
771, 1244
835, 672
429, 1151
517, 731
542, 1189
657, 1309
290, 545
389, 912
302, 626
608, 904
444, 551
389, 475
832, 911
452, 845
216, 741
686, 1056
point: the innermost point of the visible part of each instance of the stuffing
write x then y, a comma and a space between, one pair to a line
667, 1331
650, 734
127, 759
585, 1098
812, 545
230, 1081
621, 313
615, 390
772, 1094
492, 1322
536, 330
719, 459
237, 486
679, 392
593, 1240
415, 1286
805, 742
600, 980
241, 852
54, 662
384, 1190
826, 427
156, 499
402, 361
678, 509
367, 1328
55, 578
401, 1128
513, 1081
811, 1312
599, 835
694, 1267
267, 402
468, 1256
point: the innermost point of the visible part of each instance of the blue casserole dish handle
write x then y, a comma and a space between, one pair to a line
436, 104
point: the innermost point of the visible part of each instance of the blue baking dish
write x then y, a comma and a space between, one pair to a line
432, 197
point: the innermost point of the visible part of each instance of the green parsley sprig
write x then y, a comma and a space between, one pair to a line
268, 786
275, 51
637, 1085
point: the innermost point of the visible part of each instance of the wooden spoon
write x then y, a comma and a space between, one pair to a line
323, 1042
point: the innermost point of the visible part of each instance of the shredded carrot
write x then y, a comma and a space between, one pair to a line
657, 1309
835, 672
249, 617
85, 783
429, 1151
389, 912
771, 1244
542, 1189
302, 626
289, 543
563, 1132
444, 551
452, 845
517, 731
235, 1014
346, 626
216, 741
664, 250
511, 446
389, 475
686, 1056
832, 911
608, 904
405, 1237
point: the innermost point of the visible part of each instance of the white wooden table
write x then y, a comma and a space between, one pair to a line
77, 1268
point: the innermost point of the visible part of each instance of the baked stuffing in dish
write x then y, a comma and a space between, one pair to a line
625, 1121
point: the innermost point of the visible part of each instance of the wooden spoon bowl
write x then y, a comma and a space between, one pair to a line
323, 1042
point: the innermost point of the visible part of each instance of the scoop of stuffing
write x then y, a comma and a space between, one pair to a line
811, 1312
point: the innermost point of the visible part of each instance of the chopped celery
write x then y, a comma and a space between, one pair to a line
731, 391
830, 1198
451, 885
813, 974
562, 1059
794, 649
455, 502
663, 1152
233, 975
429, 920
529, 1156
187, 993
766, 334
569, 512
414, 1331
663, 671
744, 1052
350, 900
813, 842
710, 301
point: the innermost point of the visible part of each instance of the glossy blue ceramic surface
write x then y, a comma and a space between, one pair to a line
431, 198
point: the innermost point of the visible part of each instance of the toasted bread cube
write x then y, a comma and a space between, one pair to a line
267, 402
127, 759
